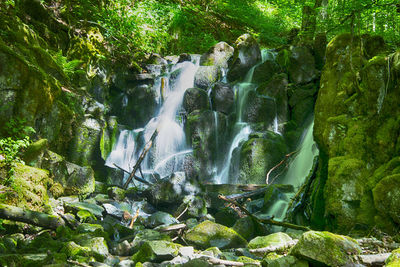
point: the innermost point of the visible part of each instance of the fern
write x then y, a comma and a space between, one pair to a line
69, 67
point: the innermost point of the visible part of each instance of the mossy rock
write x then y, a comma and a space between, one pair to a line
209, 234
286, 261
206, 76
31, 188
71, 249
387, 197
97, 246
394, 259
326, 248
269, 240
34, 150
156, 251
218, 55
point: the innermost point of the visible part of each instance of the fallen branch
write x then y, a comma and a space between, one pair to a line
141, 158
137, 178
216, 261
279, 164
31, 217
259, 191
174, 227
265, 221
279, 247
134, 218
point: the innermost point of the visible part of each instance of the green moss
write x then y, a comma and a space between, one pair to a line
71, 249
387, 197
34, 150
269, 240
156, 251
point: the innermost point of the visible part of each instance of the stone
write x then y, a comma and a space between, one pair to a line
116, 193
206, 76
96, 210
97, 245
259, 109
223, 98
34, 151
209, 234
245, 227
301, 65
246, 54
156, 251
80, 180
195, 99
125, 263
326, 248
148, 235
274, 239
218, 55
265, 71
386, 197
160, 218
288, 261
89, 228
184, 57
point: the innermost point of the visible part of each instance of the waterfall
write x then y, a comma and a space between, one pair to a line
298, 170
169, 148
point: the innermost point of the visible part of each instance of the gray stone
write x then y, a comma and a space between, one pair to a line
223, 98
301, 65
195, 99
218, 55
206, 76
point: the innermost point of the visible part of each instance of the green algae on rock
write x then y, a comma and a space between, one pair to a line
209, 234
156, 251
269, 240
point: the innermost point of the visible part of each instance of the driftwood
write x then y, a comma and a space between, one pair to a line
31, 217
216, 261
141, 158
174, 227
279, 247
265, 221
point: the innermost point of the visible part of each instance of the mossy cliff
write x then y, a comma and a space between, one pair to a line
357, 124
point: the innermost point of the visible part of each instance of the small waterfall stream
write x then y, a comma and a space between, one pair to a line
169, 147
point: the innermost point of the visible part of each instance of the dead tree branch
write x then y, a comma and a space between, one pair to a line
279, 164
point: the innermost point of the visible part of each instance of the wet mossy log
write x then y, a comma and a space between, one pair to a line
31, 217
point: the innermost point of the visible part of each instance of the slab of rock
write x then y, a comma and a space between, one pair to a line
210, 234
274, 239
156, 251
326, 248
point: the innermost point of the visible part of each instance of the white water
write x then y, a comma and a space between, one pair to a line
169, 147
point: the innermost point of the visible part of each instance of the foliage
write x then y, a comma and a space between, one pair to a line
12, 145
69, 67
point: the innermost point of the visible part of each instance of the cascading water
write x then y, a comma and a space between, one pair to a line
298, 170
169, 147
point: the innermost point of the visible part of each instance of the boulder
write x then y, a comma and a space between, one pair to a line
156, 251
259, 109
184, 57
265, 71
247, 53
274, 239
209, 234
206, 76
301, 65
160, 218
326, 248
97, 246
258, 156
223, 98
218, 55
285, 261
195, 99
80, 180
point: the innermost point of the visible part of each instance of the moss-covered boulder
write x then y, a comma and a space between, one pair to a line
269, 240
387, 197
259, 109
29, 188
287, 261
210, 234
97, 246
326, 248
218, 55
258, 155
206, 76
156, 251
264, 72
80, 180
247, 53
195, 98
301, 65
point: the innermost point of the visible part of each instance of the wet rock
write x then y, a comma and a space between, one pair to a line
245, 227
247, 53
265, 71
89, 228
326, 248
96, 210
222, 98
259, 109
195, 99
184, 57
97, 245
125, 263
209, 234
218, 55
148, 235
196, 206
301, 65
33, 154
206, 76
80, 180
123, 249
269, 240
386, 196
156, 251
160, 218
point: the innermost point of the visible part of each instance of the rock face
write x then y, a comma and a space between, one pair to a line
326, 248
222, 98
206, 76
301, 65
247, 54
209, 234
356, 128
